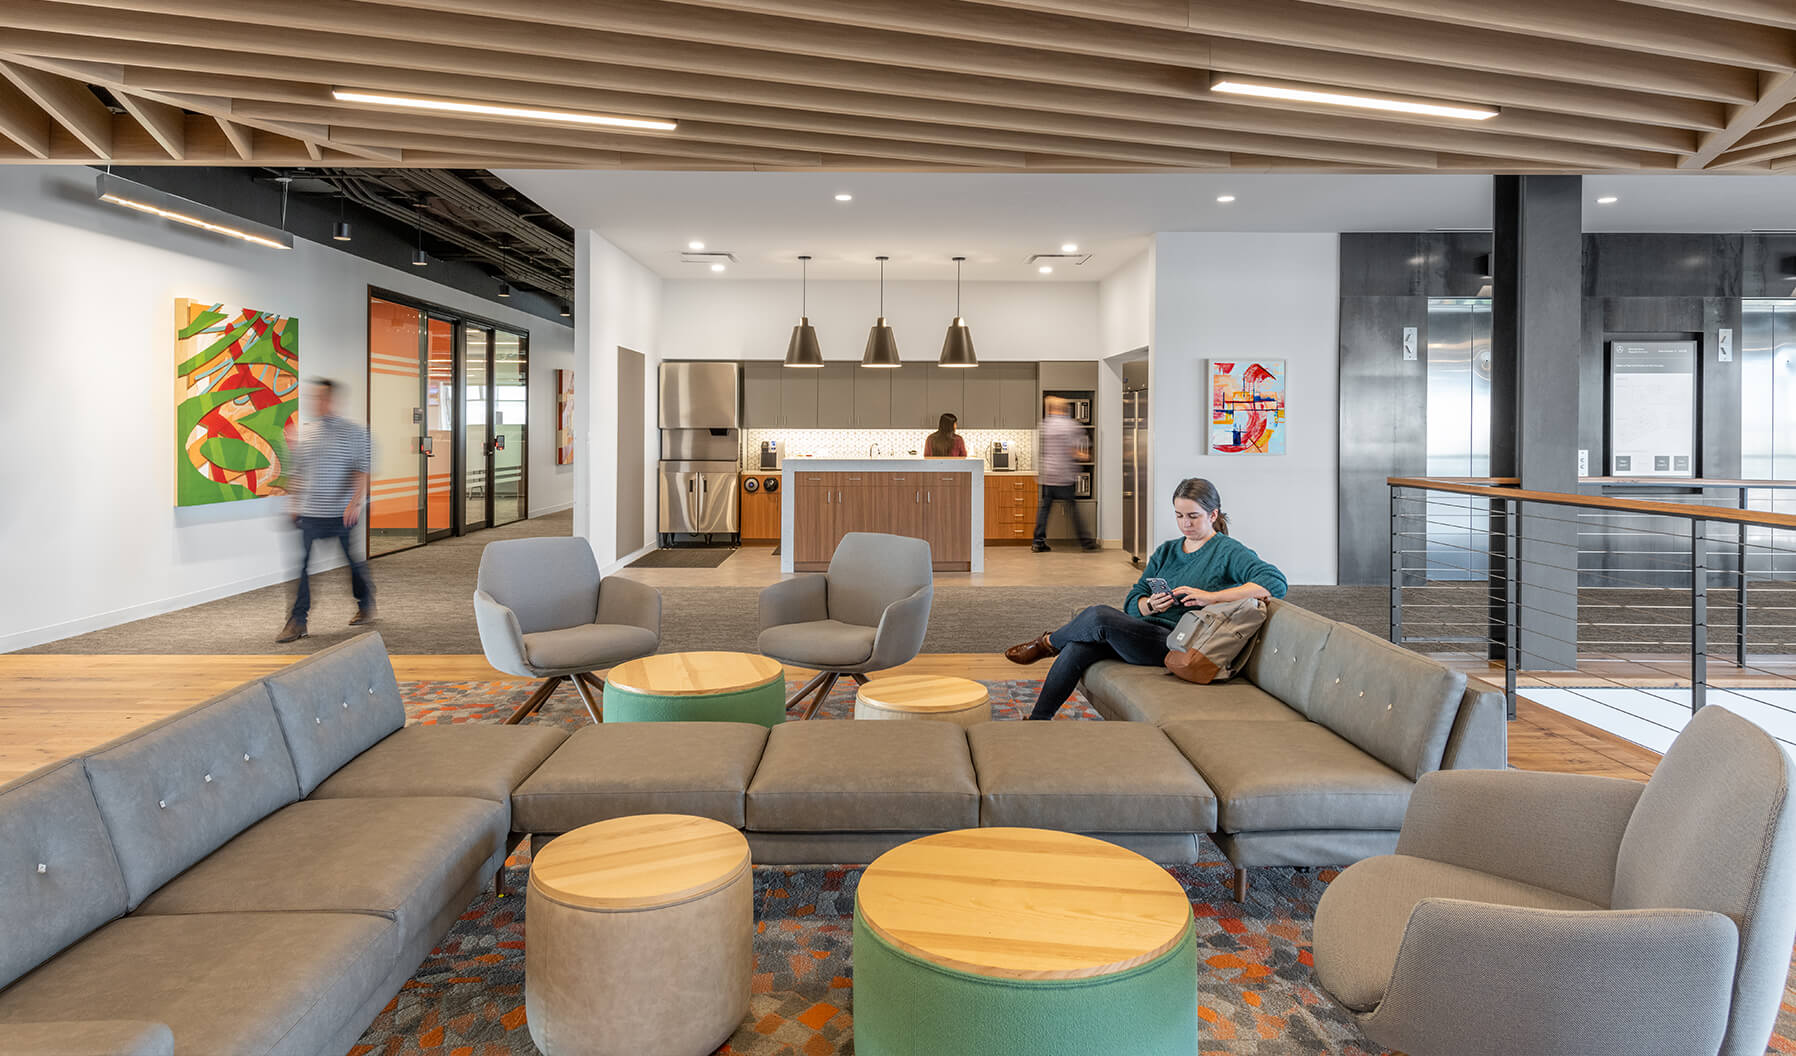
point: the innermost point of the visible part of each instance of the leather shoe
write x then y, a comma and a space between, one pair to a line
1040, 548
293, 632
362, 616
1030, 651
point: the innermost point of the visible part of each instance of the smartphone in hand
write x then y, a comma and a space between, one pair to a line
1156, 586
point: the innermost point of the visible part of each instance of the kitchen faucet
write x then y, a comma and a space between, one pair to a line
873, 449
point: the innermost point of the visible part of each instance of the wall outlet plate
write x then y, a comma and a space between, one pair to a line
1409, 343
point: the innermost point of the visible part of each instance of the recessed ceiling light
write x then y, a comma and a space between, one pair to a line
409, 102
717, 267
1045, 270
695, 244
1225, 198
1607, 199
844, 197
1363, 102
1069, 247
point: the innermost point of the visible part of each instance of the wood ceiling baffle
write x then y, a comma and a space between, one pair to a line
905, 85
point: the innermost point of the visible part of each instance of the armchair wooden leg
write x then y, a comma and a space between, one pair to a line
536, 700
829, 683
592, 692
860, 678
1240, 884
793, 700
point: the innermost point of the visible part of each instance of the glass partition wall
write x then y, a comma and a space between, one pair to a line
449, 416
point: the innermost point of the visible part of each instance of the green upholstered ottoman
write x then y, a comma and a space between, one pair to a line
697, 687
1022, 942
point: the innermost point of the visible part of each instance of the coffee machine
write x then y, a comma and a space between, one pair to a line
1001, 459
770, 454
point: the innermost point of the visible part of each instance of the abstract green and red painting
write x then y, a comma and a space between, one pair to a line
236, 395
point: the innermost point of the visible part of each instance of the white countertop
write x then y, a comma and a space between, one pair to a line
950, 465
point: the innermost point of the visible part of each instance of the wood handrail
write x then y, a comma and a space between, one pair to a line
1557, 498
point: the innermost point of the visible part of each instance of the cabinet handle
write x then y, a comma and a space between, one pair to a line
931, 498
919, 497
828, 498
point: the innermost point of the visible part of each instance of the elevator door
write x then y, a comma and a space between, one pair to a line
1768, 421
1458, 417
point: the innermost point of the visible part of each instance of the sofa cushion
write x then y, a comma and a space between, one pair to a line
335, 705
1396, 705
1290, 775
59, 879
1087, 777
588, 646
614, 770
1283, 662
88, 1037
1137, 693
864, 777
483, 761
820, 643
174, 791
394, 857
1362, 916
247, 984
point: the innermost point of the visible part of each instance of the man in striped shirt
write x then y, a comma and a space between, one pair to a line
1061, 439
328, 482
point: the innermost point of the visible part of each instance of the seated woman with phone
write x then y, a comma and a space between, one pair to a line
1203, 566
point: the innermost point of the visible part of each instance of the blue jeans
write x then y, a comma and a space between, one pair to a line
1100, 632
313, 529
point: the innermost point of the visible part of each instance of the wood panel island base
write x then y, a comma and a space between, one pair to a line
938, 500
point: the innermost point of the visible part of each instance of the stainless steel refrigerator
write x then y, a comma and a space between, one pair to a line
1135, 451
701, 409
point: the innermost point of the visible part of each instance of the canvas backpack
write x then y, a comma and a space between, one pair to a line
1212, 643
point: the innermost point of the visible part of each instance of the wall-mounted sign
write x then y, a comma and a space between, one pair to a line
1652, 408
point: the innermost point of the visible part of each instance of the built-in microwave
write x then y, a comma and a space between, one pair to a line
1081, 411
1082, 486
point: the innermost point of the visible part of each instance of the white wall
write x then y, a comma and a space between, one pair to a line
1230, 295
89, 532
753, 319
618, 302
1125, 310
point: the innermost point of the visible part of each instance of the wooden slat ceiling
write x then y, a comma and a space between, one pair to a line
991, 85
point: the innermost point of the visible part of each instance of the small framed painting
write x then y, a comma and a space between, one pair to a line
564, 420
1247, 407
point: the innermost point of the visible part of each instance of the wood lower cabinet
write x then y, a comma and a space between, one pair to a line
1010, 500
760, 512
936, 507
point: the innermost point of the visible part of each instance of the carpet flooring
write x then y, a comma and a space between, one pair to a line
1256, 993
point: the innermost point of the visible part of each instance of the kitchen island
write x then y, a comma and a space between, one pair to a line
941, 500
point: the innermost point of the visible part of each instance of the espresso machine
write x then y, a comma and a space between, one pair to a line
1001, 457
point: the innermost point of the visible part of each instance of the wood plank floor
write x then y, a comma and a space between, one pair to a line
55, 706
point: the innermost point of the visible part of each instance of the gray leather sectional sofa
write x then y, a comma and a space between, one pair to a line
262, 872
258, 874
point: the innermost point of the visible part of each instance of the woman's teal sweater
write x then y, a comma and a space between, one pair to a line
1219, 564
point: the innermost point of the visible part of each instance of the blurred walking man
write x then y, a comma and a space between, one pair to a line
329, 483
1061, 439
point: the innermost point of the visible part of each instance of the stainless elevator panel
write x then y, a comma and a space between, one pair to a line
1458, 430
1768, 422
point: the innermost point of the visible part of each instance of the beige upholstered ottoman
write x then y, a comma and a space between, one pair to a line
940, 697
638, 938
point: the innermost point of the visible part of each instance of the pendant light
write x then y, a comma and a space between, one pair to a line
340, 232
957, 347
419, 260
882, 344
803, 350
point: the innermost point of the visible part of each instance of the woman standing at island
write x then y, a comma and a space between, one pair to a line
1203, 566
945, 442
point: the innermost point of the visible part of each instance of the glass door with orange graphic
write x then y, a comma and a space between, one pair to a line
396, 406
495, 426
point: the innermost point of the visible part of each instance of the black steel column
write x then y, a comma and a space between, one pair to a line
1536, 328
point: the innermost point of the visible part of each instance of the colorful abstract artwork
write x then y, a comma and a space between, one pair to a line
564, 411
1247, 407
236, 393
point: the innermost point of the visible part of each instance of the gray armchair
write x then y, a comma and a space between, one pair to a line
1563, 914
869, 612
544, 613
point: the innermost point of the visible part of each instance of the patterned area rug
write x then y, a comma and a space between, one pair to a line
1256, 993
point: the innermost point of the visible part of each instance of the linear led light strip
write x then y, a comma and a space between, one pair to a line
191, 221
1364, 102
499, 110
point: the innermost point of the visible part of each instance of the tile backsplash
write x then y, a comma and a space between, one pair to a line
854, 443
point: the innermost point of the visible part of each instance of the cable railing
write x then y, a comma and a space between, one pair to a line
1593, 593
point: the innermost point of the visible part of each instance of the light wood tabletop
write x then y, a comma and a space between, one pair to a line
641, 861
694, 674
924, 693
1023, 904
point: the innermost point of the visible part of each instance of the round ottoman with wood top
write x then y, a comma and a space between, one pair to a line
1022, 942
638, 938
697, 687
940, 697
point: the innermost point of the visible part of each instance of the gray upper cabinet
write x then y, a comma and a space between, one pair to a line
910, 397
982, 391
1016, 396
947, 393
873, 397
761, 394
835, 395
798, 397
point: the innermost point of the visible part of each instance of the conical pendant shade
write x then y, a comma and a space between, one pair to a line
957, 346
882, 344
802, 350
